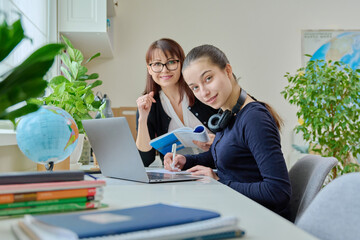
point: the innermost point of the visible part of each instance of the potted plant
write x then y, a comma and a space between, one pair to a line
25, 81
73, 91
327, 94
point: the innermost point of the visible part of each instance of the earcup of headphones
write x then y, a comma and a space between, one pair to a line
218, 122
213, 123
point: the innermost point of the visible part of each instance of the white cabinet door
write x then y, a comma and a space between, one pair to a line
87, 24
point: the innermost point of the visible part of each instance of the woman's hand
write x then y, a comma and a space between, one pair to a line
178, 163
144, 104
205, 145
203, 171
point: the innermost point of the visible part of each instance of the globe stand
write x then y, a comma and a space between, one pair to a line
49, 166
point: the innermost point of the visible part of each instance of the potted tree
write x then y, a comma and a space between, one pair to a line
26, 80
327, 94
73, 90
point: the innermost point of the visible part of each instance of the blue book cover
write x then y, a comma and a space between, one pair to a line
183, 137
102, 223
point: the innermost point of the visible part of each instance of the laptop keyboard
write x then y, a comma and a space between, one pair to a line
157, 176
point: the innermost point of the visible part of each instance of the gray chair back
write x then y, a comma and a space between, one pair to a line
307, 177
335, 211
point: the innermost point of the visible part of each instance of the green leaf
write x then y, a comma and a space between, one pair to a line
95, 84
67, 41
67, 74
58, 80
78, 56
29, 108
65, 59
91, 58
89, 98
89, 77
10, 37
74, 69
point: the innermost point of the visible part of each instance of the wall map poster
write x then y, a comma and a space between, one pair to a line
334, 45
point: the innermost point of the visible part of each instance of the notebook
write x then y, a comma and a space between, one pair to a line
172, 222
117, 154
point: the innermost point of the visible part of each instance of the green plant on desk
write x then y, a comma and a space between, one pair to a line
327, 95
25, 81
72, 91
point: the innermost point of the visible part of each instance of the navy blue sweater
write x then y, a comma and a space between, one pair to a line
248, 156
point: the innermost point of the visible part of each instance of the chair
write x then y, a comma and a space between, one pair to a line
334, 212
130, 114
307, 177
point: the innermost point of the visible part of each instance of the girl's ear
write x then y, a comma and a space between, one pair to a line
228, 70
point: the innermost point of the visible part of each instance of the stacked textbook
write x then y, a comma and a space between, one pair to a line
156, 221
48, 192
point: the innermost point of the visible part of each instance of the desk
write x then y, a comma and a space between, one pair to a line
257, 221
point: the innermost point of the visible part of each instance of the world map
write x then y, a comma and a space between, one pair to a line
332, 45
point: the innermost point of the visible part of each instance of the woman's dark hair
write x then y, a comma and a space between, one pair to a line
218, 58
171, 49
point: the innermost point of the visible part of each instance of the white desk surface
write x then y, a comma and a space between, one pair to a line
257, 221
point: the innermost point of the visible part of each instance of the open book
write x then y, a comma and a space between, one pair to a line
183, 137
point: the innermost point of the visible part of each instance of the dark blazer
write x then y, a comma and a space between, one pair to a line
158, 123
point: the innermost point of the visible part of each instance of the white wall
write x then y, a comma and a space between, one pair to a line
261, 38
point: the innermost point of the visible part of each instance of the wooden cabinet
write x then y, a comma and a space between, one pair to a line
88, 25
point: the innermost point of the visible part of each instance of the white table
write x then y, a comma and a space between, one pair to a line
257, 221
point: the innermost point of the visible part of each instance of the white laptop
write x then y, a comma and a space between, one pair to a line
117, 154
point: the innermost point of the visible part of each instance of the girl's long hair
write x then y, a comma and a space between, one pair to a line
218, 58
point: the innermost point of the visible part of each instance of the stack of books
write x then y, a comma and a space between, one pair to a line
48, 192
156, 221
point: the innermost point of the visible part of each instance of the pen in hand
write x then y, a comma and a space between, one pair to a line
173, 150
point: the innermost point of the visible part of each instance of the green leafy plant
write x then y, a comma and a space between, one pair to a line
72, 91
25, 81
328, 98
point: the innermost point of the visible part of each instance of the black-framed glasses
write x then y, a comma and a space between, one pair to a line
170, 65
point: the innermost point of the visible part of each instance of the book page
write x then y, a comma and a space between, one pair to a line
187, 138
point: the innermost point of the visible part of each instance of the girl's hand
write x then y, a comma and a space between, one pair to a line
205, 145
144, 104
178, 163
203, 171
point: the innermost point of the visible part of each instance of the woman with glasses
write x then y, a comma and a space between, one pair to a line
167, 102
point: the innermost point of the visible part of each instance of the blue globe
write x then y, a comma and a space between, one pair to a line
344, 47
47, 135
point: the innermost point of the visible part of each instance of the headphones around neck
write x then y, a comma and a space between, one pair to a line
219, 121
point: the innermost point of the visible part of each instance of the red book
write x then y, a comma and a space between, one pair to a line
49, 186
49, 195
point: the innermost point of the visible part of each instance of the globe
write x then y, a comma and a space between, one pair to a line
47, 136
344, 47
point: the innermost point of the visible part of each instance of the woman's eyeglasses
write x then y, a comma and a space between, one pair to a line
170, 65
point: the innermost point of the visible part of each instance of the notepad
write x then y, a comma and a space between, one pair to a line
183, 137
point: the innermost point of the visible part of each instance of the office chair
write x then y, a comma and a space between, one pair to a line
334, 212
130, 114
307, 177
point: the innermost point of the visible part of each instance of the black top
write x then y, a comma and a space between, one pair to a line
158, 123
248, 158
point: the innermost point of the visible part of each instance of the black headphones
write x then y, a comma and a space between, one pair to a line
219, 121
